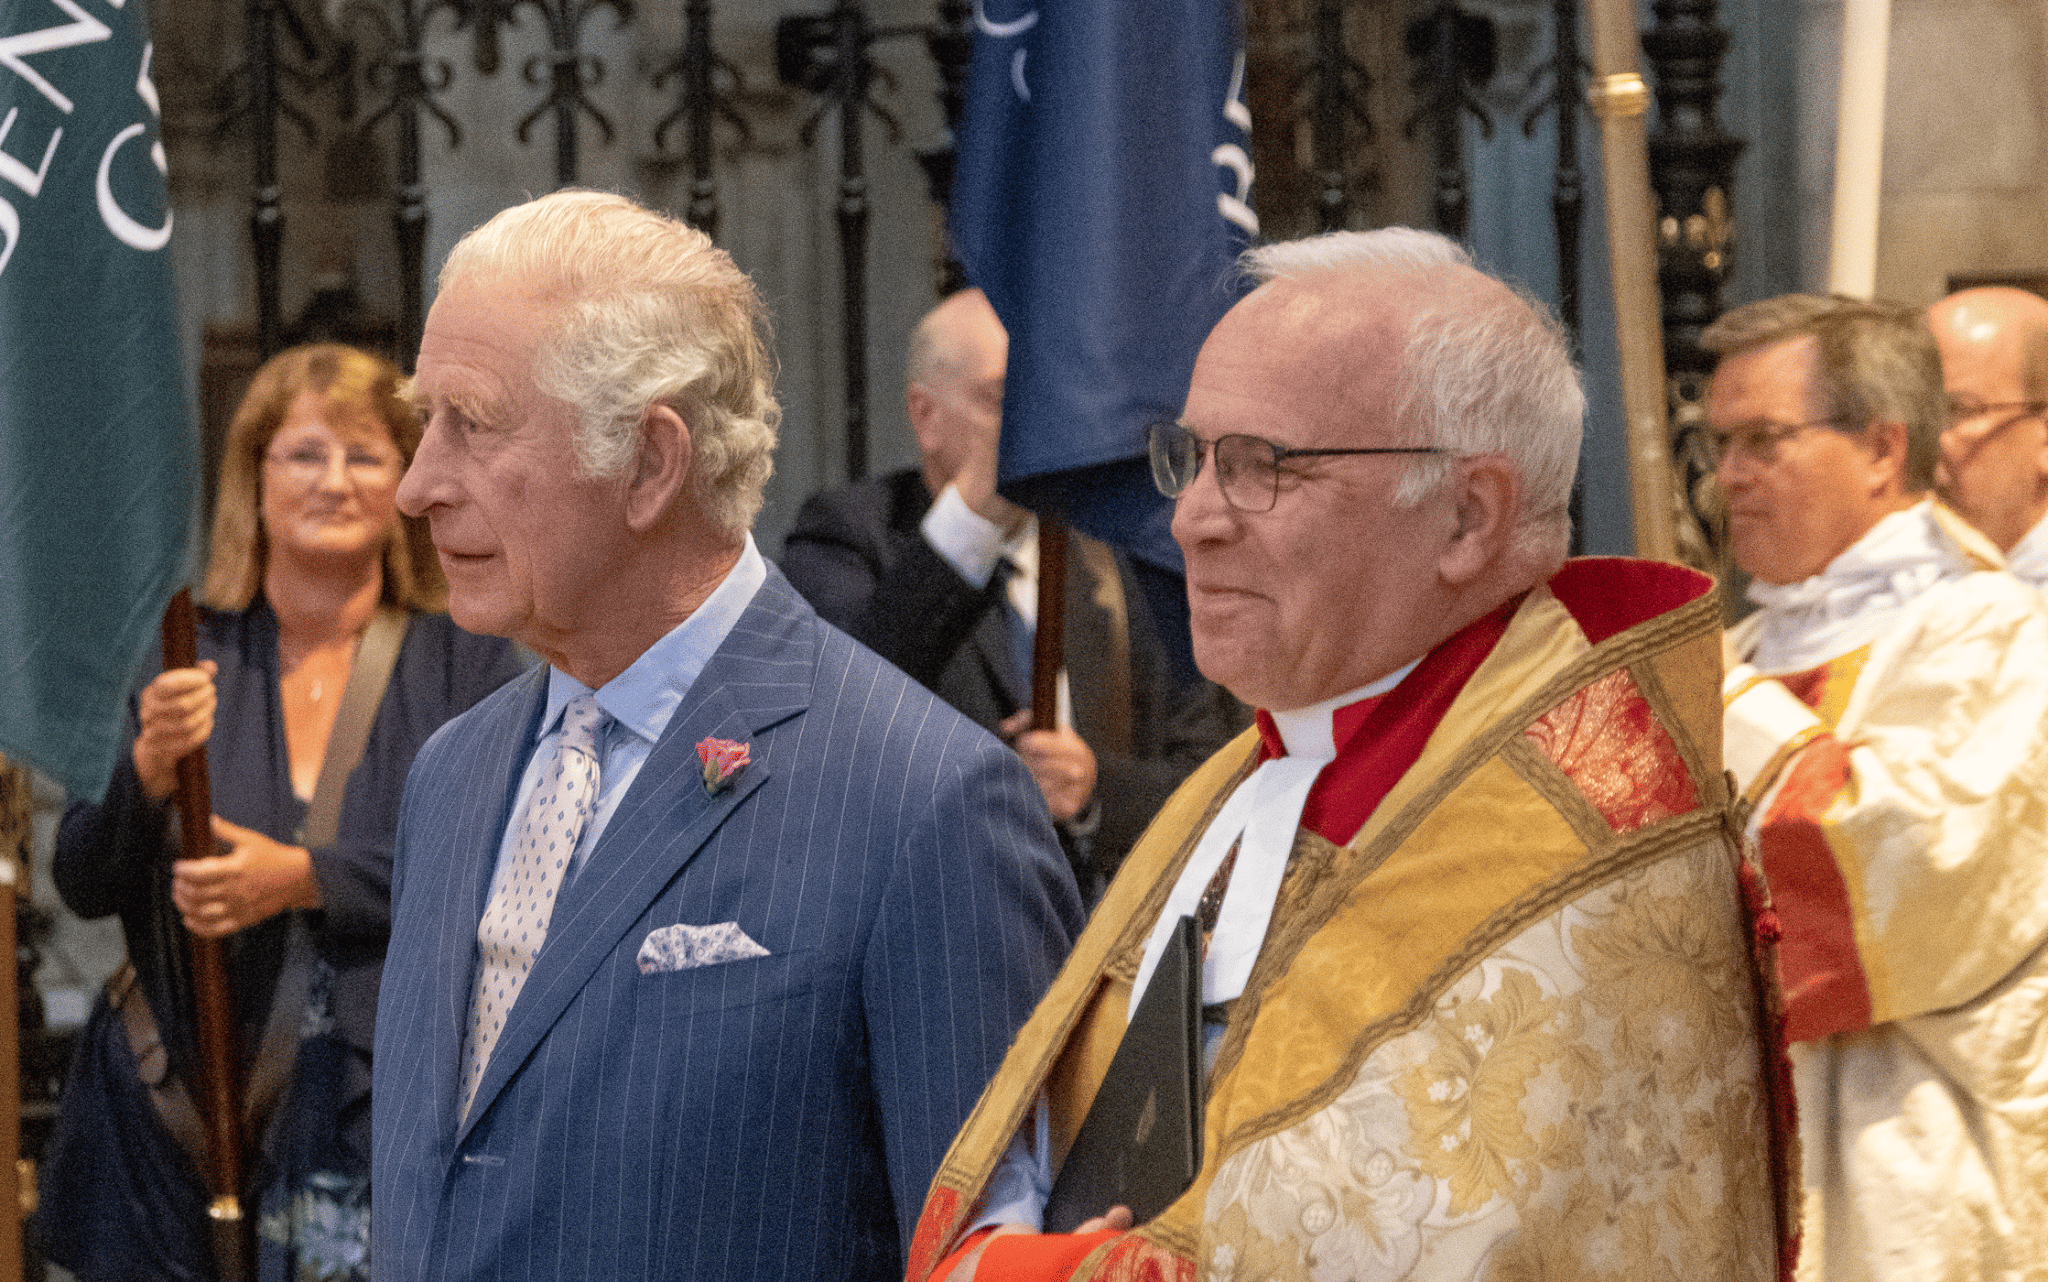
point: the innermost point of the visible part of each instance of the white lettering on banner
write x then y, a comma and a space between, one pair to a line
1236, 208
10, 232
145, 88
83, 29
1003, 30
127, 230
29, 180
1234, 109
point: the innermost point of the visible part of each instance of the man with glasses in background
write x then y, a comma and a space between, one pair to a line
1994, 455
1887, 718
1474, 965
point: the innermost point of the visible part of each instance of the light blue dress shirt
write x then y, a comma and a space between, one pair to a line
638, 701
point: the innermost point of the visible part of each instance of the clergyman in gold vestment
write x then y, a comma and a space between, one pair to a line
1482, 994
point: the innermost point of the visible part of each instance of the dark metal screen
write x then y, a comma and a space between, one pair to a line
1364, 114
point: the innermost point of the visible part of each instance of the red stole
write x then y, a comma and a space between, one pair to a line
1826, 991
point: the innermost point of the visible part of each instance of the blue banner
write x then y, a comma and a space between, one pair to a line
98, 455
1101, 199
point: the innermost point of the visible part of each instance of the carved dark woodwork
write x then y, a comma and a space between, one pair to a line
1454, 53
704, 103
1692, 169
1273, 70
950, 41
832, 56
410, 80
266, 215
1338, 88
1561, 82
567, 73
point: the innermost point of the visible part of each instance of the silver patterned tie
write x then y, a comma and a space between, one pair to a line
515, 922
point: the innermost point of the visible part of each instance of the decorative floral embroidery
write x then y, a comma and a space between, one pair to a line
1365, 1223
723, 760
1660, 969
1465, 1100
1585, 1104
1608, 741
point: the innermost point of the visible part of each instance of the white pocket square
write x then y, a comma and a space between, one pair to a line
685, 947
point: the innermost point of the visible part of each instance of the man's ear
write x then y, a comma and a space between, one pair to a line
661, 467
1486, 491
1887, 475
921, 404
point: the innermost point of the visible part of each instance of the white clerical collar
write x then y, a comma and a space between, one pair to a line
1310, 732
1260, 818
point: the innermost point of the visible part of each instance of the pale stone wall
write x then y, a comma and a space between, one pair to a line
1966, 142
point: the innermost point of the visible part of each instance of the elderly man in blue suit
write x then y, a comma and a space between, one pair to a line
707, 936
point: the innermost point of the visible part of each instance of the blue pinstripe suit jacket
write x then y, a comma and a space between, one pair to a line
773, 1118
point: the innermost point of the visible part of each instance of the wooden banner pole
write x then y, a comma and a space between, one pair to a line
219, 1095
1048, 641
1619, 99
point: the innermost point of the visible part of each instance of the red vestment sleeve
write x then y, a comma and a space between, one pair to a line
1826, 991
1025, 1257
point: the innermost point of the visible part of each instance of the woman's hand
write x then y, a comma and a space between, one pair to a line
256, 878
177, 718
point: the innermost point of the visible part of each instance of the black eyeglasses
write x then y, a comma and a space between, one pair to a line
1758, 440
1959, 409
1247, 467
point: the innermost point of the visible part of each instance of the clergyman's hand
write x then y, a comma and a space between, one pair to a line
256, 878
1115, 1220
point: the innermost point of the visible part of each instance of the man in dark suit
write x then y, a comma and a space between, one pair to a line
936, 572
706, 936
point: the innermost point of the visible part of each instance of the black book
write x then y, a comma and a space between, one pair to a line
1141, 1143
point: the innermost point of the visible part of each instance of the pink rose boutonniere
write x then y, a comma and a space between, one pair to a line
723, 760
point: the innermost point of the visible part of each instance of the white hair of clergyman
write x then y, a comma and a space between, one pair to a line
1493, 379
651, 313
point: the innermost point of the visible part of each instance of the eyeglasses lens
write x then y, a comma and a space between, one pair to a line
1176, 455
1248, 473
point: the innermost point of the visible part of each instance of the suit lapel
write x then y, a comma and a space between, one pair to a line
665, 818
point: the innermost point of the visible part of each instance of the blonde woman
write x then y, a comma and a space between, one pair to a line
308, 552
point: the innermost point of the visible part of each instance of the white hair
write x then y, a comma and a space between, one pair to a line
1485, 375
654, 314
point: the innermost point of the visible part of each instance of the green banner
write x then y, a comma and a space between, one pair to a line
98, 454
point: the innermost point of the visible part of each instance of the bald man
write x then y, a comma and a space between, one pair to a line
1994, 455
936, 572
